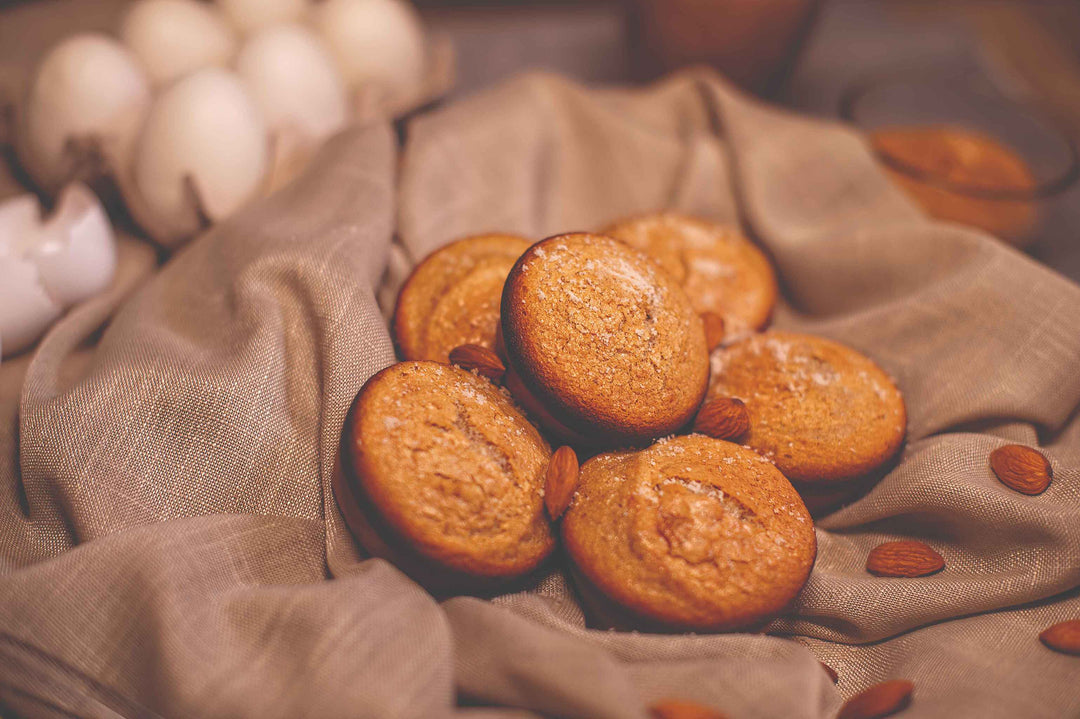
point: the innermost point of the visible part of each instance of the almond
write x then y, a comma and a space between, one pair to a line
1021, 468
475, 357
907, 558
723, 418
560, 481
1063, 637
714, 329
679, 709
880, 700
831, 672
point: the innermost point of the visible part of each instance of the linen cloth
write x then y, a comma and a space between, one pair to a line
170, 546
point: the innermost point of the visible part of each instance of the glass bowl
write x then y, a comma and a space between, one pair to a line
962, 150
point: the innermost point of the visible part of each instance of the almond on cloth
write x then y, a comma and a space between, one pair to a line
679, 709
723, 418
1021, 468
906, 558
560, 481
1063, 637
880, 700
475, 357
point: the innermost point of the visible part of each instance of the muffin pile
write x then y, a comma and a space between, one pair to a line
638, 349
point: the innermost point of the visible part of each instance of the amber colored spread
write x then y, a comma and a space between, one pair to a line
945, 168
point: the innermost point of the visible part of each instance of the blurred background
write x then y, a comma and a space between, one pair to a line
1009, 71
891, 62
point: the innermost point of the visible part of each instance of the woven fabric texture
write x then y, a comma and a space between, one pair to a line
170, 545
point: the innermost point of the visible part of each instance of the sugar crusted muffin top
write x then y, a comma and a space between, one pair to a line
821, 411
691, 533
719, 268
453, 467
601, 333
452, 297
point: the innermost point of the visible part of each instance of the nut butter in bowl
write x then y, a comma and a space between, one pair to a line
963, 151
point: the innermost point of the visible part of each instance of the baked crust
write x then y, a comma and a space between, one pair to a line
693, 533
452, 297
821, 411
449, 469
604, 339
719, 268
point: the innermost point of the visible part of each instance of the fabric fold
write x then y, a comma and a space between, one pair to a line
170, 544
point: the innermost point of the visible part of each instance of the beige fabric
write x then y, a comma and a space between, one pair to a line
169, 545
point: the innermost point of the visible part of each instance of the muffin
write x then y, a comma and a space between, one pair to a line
721, 271
691, 534
821, 411
443, 475
602, 340
452, 297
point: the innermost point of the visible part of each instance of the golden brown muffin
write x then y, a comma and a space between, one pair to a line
693, 533
452, 297
921, 159
720, 270
821, 411
603, 339
446, 472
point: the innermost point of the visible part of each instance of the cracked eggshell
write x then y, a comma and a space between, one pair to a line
76, 252
46, 267
26, 310
87, 96
173, 38
201, 155
250, 15
375, 42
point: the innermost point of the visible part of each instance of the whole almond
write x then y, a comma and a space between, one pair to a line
714, 329
831, 672
880, 700
1063, 637
906, 558
475, 357
679, 709
1021, 468
560, 481
723, 418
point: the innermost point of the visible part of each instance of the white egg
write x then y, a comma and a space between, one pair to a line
250, 15
89, 90
294, 81
173, 38
205, 135
375, 42
75, 253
